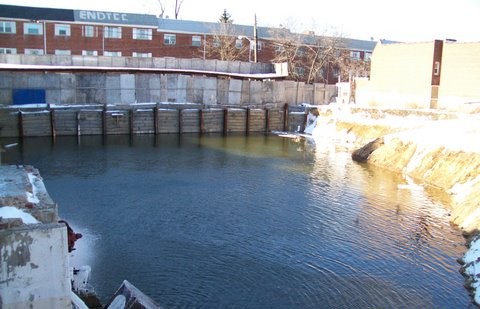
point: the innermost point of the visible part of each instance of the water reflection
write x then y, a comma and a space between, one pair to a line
249, 222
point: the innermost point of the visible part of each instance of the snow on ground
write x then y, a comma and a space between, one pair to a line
11, 212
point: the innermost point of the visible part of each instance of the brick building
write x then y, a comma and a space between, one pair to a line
41, 31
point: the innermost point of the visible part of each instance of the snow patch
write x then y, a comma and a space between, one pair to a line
11, 212
33, 197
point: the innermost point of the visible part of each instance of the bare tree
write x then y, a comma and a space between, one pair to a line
162, 3
225, 42
162, 7
309, 56
178, 4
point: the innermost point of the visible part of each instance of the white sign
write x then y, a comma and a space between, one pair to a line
102, 16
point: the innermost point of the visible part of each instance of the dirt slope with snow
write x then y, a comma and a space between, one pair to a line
439, 150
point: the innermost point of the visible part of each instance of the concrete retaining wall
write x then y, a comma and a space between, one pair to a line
45, 120
134, 62
122, 88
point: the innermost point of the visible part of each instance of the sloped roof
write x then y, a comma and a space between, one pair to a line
200, 27
35, 13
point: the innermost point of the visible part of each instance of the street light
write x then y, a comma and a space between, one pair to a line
252, 43
255, 46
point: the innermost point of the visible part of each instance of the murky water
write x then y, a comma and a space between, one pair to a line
248, 222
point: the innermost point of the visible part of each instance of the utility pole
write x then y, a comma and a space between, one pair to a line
255, 44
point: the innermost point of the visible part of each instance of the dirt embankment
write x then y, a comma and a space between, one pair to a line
438, 150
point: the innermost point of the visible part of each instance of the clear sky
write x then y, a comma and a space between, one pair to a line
405, 20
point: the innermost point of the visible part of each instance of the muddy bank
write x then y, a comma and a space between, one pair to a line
438, 150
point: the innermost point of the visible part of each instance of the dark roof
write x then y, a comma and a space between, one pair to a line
34, 13
203, 27
360, 45
200, 27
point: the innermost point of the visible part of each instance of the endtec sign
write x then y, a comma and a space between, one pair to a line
102, 16
115, 18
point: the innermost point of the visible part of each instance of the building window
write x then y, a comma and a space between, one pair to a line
89, 31
113, 32
8, 27
62, 30
33, 29
89, 53
196, 40
142, 55
112, 54
436, 68
259, 45
62, 52
142, 34
279, 48
169, 39
238, 43
355, 55
216, 42
33, 51
301, 52
367, 56
7, 51
300, 71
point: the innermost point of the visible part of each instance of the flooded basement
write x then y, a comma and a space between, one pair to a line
248, 222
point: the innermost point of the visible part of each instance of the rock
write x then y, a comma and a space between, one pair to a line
361, 155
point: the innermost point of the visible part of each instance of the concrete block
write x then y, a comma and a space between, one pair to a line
234, 98
145, 62
118, 62
20, 80
30, 266
61, 60
210, 65
77, 60
223, 90
172, 81
244, 68
90, 61
67, 80
104, 61
6, 80
278, 93
12, 59
5, 97
159, 63
234, 66
210, 83
267, 91
198, 64
67, 96
132, 62
127, 86
113, 95
245, 93
256, 92
222, 66
91, 80
53, 96
185, 63
171, 63
154, 82
235, 85
210, 97
51, 81
92, 95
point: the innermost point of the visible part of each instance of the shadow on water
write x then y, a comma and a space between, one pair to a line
248, 222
